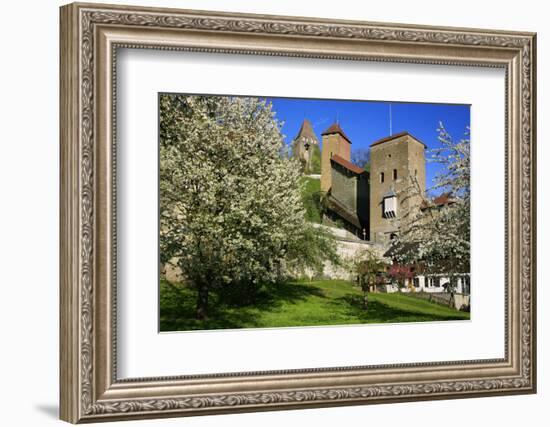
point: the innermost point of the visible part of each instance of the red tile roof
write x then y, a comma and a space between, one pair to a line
441, 200
397, 135
347, 164
335, 128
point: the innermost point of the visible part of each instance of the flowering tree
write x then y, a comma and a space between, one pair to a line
401, 273
438, 235
230, 203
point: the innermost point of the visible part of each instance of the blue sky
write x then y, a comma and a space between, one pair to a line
365, 122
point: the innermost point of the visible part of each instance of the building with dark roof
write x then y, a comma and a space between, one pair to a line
438, 202
336, 129
335, 143
345, 184
369, 205
348, 199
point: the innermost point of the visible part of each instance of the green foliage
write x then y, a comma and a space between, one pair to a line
311, 198
315, 162
370, 268
309, 252
299, 303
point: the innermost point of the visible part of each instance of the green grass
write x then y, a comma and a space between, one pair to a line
315, 166
311, 198
317, 303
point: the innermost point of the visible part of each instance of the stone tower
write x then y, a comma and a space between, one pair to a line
393, 160
305, 147
335, 142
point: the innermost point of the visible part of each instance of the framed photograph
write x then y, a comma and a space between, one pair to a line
266, 212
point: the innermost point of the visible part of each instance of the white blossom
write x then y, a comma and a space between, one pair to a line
230, 204
438, 237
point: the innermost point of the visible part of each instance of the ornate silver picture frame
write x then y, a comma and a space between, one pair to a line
91, 390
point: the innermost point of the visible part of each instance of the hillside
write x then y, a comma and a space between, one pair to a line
299, 303
315, 166
311, 196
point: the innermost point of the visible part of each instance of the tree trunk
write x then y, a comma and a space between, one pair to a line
202, 302
366, 295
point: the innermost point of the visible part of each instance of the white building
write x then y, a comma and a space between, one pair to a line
454, 290
441, 283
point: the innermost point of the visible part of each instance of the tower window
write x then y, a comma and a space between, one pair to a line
389, 205
381, 176
415, 172
394, 174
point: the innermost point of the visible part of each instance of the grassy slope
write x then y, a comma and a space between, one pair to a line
330, 302
310, 197
315, 160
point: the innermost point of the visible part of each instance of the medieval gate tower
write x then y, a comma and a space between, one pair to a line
396, 162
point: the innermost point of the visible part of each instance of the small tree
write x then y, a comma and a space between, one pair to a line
401, 274
369, 268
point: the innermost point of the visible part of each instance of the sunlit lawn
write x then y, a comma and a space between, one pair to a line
324, 302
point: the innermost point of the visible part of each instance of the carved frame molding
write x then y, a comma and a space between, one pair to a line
90, 36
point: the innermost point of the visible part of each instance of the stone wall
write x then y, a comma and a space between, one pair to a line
349, 247
344, 187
